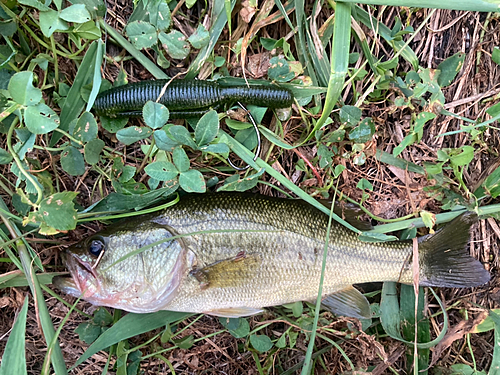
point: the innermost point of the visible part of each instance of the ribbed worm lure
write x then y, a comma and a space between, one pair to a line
189, 99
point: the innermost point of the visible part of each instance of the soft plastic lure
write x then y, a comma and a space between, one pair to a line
186, 98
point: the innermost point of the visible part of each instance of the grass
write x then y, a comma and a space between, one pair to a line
379, 136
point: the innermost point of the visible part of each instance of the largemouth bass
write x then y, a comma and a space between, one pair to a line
234, 254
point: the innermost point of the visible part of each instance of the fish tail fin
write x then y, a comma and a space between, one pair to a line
445, 260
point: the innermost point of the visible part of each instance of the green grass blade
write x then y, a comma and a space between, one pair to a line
472, 5
134, 52
306, 369
14, 355
339, 62
206, 51
284, 13
440, 219
407, 53
128, 326
96, 79
495, 362
57, 358
74, 103
391, 316
407, 310
18, 279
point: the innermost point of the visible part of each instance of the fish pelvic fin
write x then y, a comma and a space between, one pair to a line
444, 256
234, 312
348, 302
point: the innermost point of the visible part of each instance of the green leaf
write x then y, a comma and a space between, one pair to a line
376, 237
163, 141
280, 70
182, 135
207, 128
192, 181
449, 69
217, 148
261, 343
163, 17
72, 161
88, 332
5, 157
128, 326
92, 151
494, 110
41, 119
271, 137
364, 184
22, 91
58, 210
166, 335
336, 136
96, 8
184, 342
155, 114
237, 327
50, 22
102, 317
200, 38
297, 309
162, 170
247, 183
350, 114
88, 30
113, 125
363, 132
495, 55
86, 128
175, 44
14, 355
40, 5
181, 160
141, 34
118, 202
247, 138
75, 13
463, 158
133, 134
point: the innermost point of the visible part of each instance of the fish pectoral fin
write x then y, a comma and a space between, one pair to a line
348, 302
234, 312
228, 272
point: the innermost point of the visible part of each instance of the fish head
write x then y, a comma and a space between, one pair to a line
133, 266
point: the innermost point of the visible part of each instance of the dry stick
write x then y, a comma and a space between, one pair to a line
473, 98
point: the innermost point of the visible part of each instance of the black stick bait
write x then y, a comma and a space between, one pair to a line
186, 98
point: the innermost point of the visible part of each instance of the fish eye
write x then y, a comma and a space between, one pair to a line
95, 247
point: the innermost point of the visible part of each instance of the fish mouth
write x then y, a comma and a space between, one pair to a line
82, 282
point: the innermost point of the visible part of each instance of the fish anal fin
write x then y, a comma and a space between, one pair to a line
234, 312
228, 272
348, 302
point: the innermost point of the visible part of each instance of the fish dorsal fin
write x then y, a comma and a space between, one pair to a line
229, 272
349, 212
348, 302
234, 312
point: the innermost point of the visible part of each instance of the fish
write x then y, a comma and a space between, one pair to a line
234, 254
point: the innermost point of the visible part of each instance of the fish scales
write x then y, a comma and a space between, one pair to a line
255, 251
